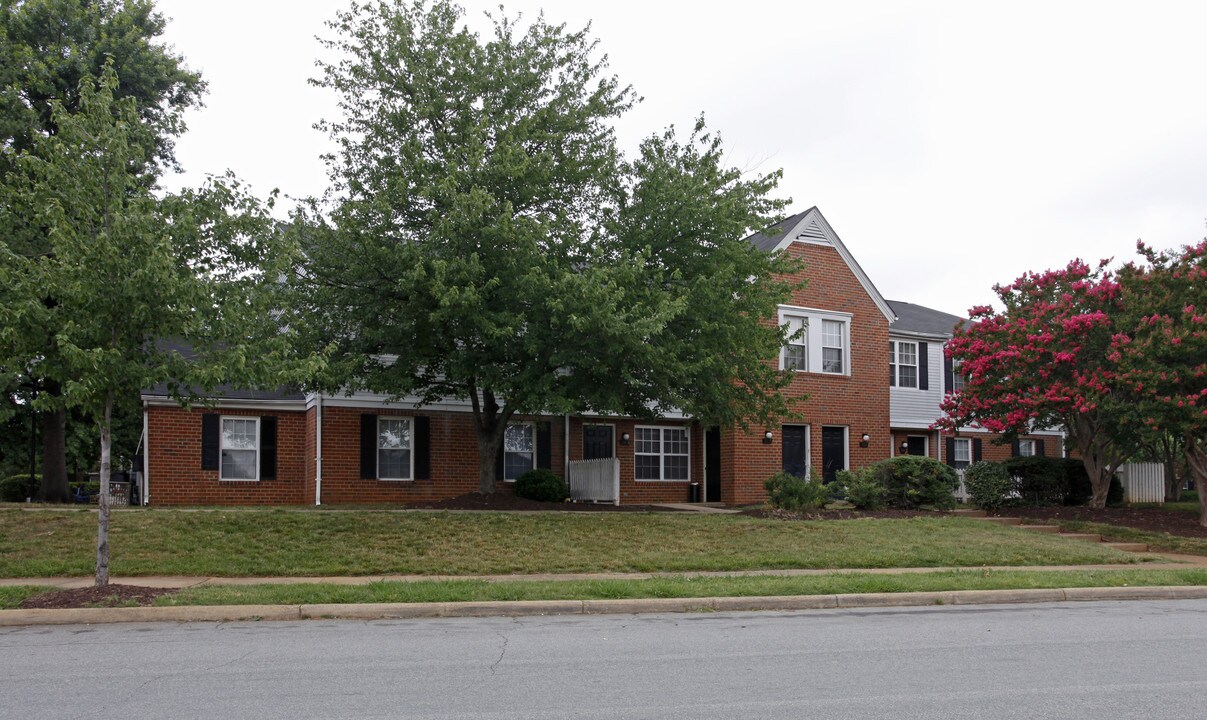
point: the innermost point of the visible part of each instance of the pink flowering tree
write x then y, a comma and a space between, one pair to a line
1042, 363
1160, 352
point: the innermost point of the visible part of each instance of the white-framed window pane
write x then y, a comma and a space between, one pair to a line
1026, 448
796, 357
908, 353
957, 382
240, 446
963, 449
649, 441
646, 467
394, 448
661, 454
519, 450
796, 352
908, 376
832, 346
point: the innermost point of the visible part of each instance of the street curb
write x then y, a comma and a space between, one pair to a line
528, 608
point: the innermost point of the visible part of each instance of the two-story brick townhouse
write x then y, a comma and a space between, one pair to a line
310, 448
920, 375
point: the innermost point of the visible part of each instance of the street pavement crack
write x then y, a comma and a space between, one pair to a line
502, 652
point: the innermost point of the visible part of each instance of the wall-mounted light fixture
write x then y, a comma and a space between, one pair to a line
767, 436
624, 438
904, 449
863, 440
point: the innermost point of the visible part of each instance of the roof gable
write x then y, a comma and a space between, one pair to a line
811, 227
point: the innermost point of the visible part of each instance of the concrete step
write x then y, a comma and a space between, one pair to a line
1051, 529
1003, 520
969, 513
1128, 546
1087, 537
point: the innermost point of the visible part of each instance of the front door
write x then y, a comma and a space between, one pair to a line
597, 442
795, 453
916, 445
833, 452
712, 464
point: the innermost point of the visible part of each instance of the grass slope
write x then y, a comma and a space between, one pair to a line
277, 542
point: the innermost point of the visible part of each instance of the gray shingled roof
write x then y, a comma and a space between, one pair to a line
766, 241
222, 392
918, 319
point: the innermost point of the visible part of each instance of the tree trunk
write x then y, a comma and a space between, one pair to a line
1173, 483
54, 456
102, 503
490, 421
1196, 464
1099, 457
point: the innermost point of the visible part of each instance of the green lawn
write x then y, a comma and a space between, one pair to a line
1157, 541
275, 542
675, 587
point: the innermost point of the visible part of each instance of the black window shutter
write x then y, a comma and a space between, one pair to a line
950, 453
209, 441
368, 446
544, 437
268, 448
976, 450
1039, 448
423, 448
948, 375
923, 366
1014, 448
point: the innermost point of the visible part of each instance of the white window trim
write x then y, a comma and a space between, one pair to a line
813, 337
895, 363
957, 375
221, 423
662, 453
955, 452
844, 338
410, 449
801, 342
532, 432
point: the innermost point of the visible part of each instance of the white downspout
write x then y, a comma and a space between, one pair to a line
318, 451
146, 456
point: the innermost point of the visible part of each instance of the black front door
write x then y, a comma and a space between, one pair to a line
597, 442
917, 445
712, 464
795, 452
833, 452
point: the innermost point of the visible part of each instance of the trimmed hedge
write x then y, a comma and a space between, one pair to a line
1039, 481
859, 488
989, 485
790, 492
542, 485
16, 488
912, 482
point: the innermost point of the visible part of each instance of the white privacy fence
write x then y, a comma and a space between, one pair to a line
961, 492
595, 480
1143, 482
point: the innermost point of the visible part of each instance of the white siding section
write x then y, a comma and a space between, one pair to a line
911, 407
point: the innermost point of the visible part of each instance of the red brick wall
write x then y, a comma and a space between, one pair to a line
859, 401
176, 477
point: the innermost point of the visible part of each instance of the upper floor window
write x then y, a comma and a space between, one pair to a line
796, 352
833, 346
903, 364
957, 378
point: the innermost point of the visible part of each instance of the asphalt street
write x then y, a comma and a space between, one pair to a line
1068, 660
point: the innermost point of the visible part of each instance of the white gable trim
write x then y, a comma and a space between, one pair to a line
814, 229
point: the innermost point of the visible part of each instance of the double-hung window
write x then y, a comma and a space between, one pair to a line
519, 450
963, 453
957, 378
661, 453
240, 449
903, 364
394, 448
796, 352
1026, 448
833, 346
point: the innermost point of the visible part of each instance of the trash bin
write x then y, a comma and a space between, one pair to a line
695, 492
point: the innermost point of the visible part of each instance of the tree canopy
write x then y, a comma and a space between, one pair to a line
486, 240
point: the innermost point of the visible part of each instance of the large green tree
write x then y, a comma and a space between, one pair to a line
485, 239
47, 47
129, 270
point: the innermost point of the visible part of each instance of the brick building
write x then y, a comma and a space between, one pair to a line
295, 448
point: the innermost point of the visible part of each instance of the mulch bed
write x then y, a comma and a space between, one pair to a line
1153, 519
509, 501
107, 596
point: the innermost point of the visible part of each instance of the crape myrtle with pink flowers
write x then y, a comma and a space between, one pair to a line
1113, 357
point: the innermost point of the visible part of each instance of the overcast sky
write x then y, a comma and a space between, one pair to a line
950, 145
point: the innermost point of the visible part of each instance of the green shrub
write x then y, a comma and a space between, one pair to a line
1190, 496
1078, 490
16, 488
912, 482
1115, 495
1040, 481
989, 485
789, 492
541, 485
859, 488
